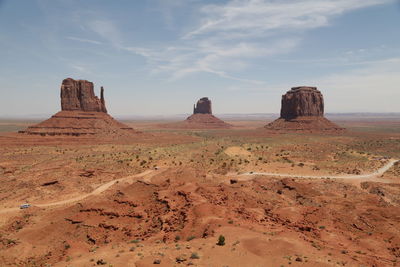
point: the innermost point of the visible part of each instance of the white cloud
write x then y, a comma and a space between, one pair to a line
260, 16
106, 29
373, 87
83, 40
80, 69
230, 35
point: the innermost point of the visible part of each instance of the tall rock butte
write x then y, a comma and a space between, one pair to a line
82, 113
79, 95
203, 106
302, 109
302, 101
202, 118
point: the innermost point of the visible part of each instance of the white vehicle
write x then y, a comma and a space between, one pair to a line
25, 206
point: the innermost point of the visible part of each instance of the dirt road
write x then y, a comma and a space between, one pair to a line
146, 175
374, 174
97, 191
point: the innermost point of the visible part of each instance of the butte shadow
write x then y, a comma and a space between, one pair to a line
82, 114
202, 118
302, 110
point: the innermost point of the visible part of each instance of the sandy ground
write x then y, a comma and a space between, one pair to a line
165, 198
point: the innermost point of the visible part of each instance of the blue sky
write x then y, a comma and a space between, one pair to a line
157, 57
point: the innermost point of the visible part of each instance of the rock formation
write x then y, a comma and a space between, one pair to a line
82, 113
302, 101
202, 118
302, 109
203, 106
79, 95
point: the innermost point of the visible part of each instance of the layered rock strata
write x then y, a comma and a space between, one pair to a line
202, 118
302, 109
79, 95
82, 113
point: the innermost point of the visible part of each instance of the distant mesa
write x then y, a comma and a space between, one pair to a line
202, 118
302, 109
82, 113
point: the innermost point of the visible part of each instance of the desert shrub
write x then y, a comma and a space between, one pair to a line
221, 240
194, 256
190, 238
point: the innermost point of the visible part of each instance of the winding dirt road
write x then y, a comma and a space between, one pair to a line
374, 174
97, 191
147, 177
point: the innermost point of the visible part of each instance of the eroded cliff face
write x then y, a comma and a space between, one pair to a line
203, 106
82, 113
79, 95
303, 111
302, 102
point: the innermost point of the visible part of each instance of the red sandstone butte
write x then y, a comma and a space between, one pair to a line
202, 118
82, 113
203, 106
79, 95
303, 110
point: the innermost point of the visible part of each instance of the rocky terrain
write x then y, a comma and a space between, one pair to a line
82, 113
184, 198
302, 109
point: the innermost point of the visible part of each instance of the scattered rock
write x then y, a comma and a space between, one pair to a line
181, 258
101, 262
87, 173
233, 181
50, 183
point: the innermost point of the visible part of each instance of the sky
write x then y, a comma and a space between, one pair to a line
158, 57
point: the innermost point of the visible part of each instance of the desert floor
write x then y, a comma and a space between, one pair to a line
165, 197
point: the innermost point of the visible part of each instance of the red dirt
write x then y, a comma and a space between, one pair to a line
175, 215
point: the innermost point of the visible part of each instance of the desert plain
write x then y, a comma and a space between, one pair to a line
242, 196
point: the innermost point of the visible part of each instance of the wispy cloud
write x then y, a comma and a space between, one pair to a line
80, 68
106, 29
363, 88
83, 40
252, 17
229, 36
